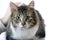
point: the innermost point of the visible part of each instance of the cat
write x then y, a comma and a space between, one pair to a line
25, 23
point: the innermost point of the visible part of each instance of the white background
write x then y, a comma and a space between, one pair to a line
50, 11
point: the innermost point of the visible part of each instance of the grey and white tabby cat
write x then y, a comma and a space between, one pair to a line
25, 23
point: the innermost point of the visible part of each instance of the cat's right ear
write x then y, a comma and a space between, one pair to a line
13, 7
31, 4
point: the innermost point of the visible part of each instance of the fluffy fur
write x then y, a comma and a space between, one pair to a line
25, 23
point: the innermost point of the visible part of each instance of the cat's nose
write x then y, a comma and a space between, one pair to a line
23, 23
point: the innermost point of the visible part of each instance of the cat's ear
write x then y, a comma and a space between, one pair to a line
31, 4
13, 6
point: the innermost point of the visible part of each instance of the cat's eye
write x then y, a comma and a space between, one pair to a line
27, 17
17, 17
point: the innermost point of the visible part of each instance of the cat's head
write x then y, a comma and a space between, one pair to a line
23, 15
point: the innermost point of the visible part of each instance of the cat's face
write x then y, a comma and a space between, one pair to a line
23, 16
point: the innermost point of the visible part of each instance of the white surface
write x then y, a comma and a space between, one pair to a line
49, 9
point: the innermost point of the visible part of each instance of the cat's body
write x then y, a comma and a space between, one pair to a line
24, 23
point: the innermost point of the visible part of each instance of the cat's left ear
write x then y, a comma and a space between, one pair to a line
13, 7
31, 4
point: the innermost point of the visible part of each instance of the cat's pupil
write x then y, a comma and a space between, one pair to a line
27, 17
17, 17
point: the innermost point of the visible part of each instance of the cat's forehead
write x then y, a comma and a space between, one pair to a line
25, 10
22, 8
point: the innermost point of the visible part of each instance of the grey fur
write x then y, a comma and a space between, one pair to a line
41, 31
